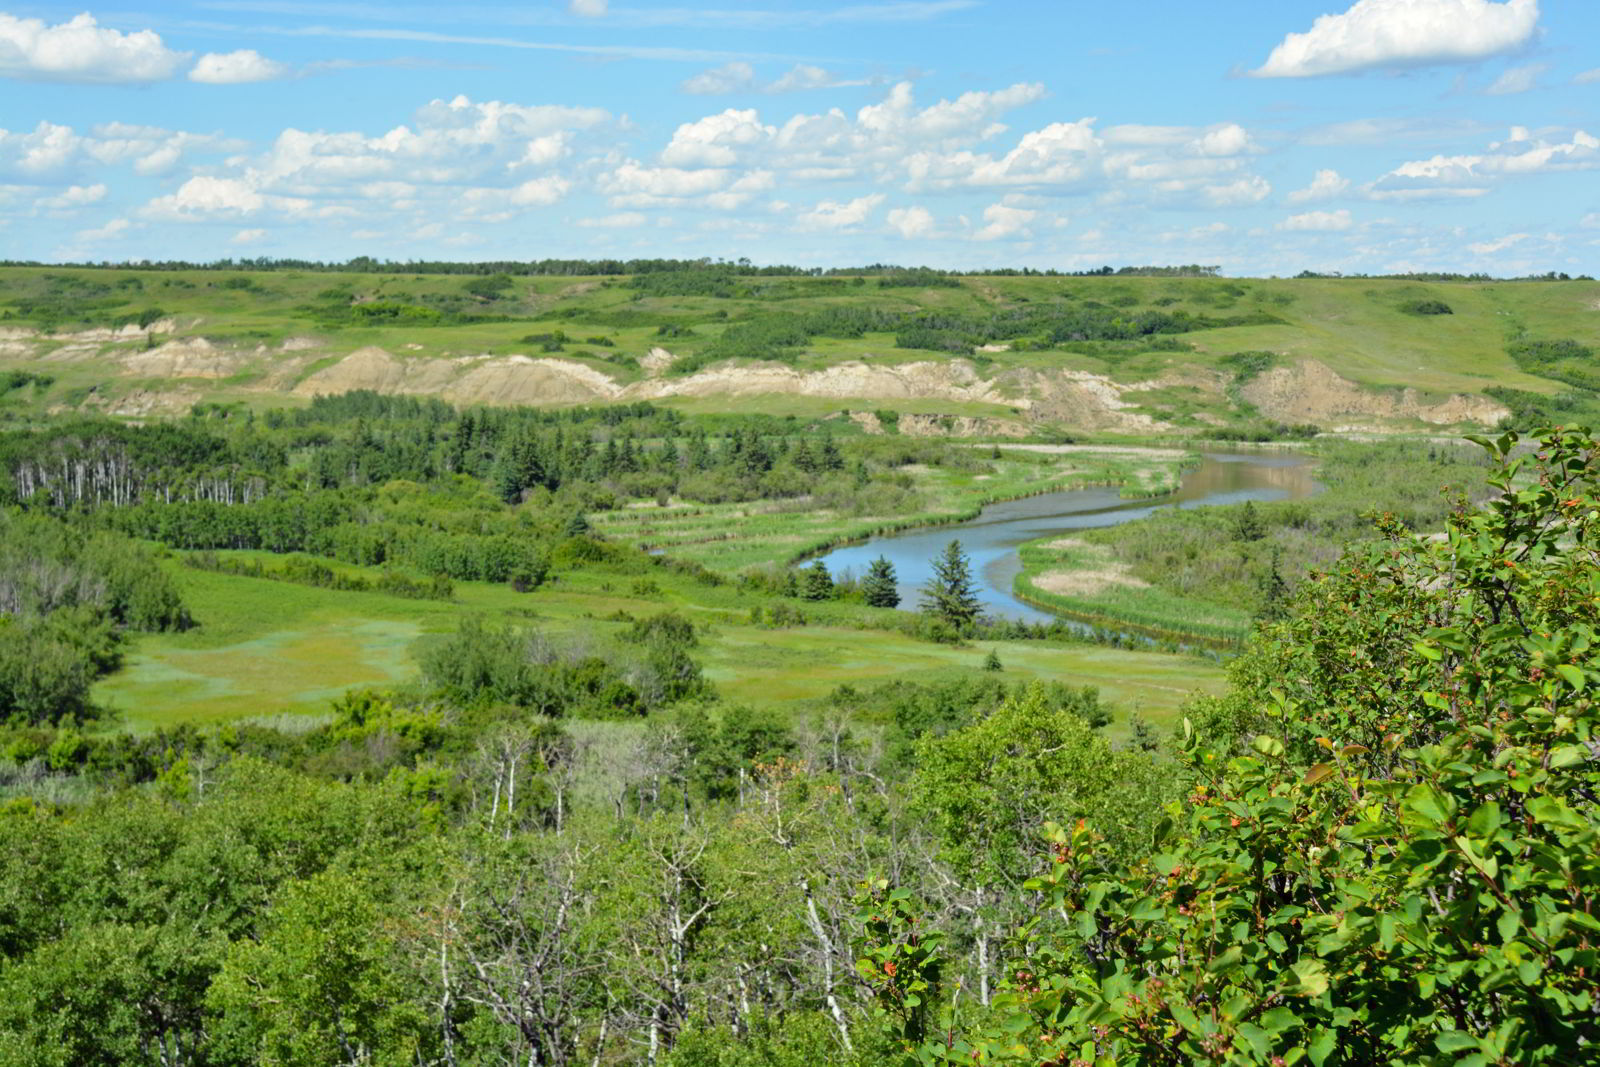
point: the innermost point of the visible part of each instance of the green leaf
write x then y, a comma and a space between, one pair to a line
1486, 864
1455, 1041
1270, 747
1225, 961
1316, 773
1425, 802
1553, 811
1568, 756
1485, 820
1386, 931
1573, 675
1321, 1047
1311, 978
1258, 1039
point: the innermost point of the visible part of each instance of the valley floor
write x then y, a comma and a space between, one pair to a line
266, 649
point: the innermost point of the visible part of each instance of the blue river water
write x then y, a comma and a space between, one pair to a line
991, 539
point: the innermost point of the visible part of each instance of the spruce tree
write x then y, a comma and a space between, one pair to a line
952, 595
829, 458
1274, 591
879, 588
818, 584
1247, 524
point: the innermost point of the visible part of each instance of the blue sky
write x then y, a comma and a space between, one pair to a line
1376, 135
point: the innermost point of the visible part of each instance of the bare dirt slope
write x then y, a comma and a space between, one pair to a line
177, 372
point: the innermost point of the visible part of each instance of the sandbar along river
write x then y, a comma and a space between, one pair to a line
991, 539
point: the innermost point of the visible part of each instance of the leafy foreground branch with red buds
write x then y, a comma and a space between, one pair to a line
1388, 852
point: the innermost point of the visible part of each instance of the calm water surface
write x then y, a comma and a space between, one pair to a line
992, 538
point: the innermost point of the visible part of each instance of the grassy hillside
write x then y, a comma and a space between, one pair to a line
138, 342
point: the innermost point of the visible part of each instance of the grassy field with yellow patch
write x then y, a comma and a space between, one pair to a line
266, 648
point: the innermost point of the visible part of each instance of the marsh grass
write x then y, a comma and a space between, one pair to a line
736, 537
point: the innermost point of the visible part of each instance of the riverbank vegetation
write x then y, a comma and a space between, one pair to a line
900, 484
1212, 573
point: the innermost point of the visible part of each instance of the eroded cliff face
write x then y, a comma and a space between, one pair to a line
172, 374
1310, 391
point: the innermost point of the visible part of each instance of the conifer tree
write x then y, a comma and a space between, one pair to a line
802, 458
951, 595
1274, 591
818, 584
1247, 525
829, 458
880, 588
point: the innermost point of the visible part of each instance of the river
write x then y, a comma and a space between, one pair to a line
991, 539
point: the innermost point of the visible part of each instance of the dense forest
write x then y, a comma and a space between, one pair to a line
559, 846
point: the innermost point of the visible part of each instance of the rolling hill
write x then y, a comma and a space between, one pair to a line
994, 355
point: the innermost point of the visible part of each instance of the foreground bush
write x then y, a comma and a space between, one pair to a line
1403, 867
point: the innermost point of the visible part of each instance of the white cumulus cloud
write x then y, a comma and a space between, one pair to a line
1003, 220
734, 77
911, 222
50, 148
716, 140
248, 237
236, 68
1499, 244
1241, 192
840, 215
740, 77
1318, 221
81, 50
72, 197
1521, 153
1325, 185
206, 196
110, 231
1375, 34
803, 76
633, 184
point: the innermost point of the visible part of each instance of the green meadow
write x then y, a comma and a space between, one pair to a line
265, 648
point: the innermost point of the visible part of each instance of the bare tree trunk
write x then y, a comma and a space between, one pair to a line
826, 944
980, 929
